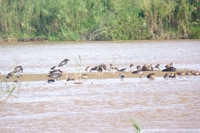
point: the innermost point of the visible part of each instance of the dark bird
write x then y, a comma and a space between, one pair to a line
157, 66
169, 69
180, 73
86, 69
121, 70
174, 75
137, 72
147, 67
9, 75
151, 75
55, 75
166, 75
51, 80
196, 73
18, 69
131, 67
55, 68
122, 77
63, 63
99, 68
55, 71
70, 79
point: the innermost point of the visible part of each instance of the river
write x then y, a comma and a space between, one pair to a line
103, 105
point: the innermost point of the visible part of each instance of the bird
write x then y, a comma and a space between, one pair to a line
122, 77
63, 63
166, 75
55, 71
139, 67
9, 75
51, 80
131, 65
169, 69
55, 68
121, 70
151, 75
137, 72
84, 76
112, 67
70, 79
99, 68
188, 72
86, 69
174, 75
196, 73
147, 67
169, 65
55, 75
157, 66
180, 73
18, 69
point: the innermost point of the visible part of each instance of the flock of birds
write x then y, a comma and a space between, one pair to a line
171, 71
56, 71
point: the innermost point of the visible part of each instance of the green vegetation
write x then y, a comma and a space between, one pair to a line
136, 125
68, 20
7, 90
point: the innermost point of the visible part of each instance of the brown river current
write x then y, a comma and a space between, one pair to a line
101, 105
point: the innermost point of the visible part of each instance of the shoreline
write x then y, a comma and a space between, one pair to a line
42, 40
89, 75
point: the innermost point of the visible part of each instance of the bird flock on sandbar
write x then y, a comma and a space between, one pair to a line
57, 72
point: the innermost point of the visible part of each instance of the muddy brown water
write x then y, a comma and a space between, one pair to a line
101, 105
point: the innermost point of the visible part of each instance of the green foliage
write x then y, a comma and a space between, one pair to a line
136, 126
99, 19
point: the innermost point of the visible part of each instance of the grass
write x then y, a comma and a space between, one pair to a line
136, 125
7, 90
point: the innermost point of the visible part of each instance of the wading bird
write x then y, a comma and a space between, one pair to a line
151, 75
63, 63
121, 77
9, 75
18, 69
169, 69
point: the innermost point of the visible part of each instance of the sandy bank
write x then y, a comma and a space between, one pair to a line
92, 75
